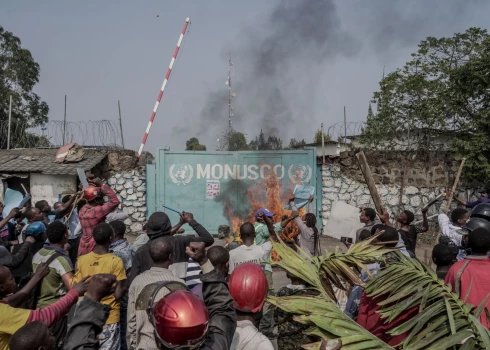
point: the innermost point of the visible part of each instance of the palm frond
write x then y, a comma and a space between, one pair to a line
328, 322
443, 321
334, 269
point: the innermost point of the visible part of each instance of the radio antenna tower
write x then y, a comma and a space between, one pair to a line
230, 94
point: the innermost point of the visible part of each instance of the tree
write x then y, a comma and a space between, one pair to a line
263, 143
318, 136
274, 142
293, 143
19, 73
237, 141
194, 145
443, 89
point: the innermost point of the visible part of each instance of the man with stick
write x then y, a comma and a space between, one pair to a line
48, 212
483, 199
95, 211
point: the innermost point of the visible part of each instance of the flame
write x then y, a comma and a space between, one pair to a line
267, 194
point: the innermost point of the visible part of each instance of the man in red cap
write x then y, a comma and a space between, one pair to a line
94, 212
248, 288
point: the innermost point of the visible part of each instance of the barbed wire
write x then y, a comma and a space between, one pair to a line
339, 130
55, 133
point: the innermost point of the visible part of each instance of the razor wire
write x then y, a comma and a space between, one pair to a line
55, 133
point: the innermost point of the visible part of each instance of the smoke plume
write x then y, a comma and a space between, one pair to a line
280, 62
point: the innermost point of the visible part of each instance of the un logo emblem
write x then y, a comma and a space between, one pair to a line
300, 174
181, 173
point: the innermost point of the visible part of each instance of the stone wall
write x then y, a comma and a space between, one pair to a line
343, 183
431, 170
130, 187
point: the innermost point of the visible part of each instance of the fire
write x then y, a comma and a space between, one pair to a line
266, 194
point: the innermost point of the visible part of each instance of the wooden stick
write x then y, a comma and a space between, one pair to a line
368, 176
75, 202
456, 181
402, 187
433, 201
25, 191
451, 195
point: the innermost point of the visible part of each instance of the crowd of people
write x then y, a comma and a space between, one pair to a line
69, 279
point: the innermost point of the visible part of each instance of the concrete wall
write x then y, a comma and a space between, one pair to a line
50, 187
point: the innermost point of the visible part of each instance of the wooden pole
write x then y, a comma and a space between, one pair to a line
120, 123
323, 145
368, 176
75, 202
451, 195
456, 181
404, 177
64, 125
10, 122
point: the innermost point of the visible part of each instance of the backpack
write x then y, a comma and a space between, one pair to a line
31, 301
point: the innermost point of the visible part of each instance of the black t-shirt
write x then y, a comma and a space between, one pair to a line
410, 237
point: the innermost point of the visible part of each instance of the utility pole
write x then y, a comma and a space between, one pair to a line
345, 128
10, 122
230, 95
64, 124
120, 123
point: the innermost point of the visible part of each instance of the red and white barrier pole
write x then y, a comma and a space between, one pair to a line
167, 76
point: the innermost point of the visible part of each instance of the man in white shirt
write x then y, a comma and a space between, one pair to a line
452, 229
248, 251
260, 255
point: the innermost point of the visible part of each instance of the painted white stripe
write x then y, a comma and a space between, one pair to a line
164, 84
156, 107
141, 149
148, 127
171, 63
180, 39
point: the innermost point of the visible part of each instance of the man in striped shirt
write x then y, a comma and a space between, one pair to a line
140, 332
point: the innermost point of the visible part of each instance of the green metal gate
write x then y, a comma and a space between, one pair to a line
208, 184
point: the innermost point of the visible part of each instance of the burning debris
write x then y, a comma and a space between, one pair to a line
266, 194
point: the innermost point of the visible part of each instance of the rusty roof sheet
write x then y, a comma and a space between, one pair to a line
43, 161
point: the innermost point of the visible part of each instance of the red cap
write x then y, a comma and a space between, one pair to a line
92, 192
248, 287
181, 319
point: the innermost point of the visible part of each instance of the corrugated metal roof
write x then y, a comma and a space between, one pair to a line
43, 161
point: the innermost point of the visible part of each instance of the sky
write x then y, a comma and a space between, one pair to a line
296, 63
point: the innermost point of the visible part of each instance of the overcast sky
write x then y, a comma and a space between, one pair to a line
296, 63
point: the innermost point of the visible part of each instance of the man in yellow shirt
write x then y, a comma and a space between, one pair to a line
100, 261
11, 319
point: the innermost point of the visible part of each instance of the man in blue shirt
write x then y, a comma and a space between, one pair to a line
483, 199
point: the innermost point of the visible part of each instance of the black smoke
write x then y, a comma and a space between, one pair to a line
280, 62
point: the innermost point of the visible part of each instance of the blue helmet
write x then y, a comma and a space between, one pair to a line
35, 229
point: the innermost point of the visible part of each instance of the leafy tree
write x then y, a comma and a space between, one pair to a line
18, 75
194, 145
237, 141
261, 143
293, 143
442, 90
274, 142
318, 136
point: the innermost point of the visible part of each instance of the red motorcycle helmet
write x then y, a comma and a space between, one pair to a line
181, 320
92, 192
248, 287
